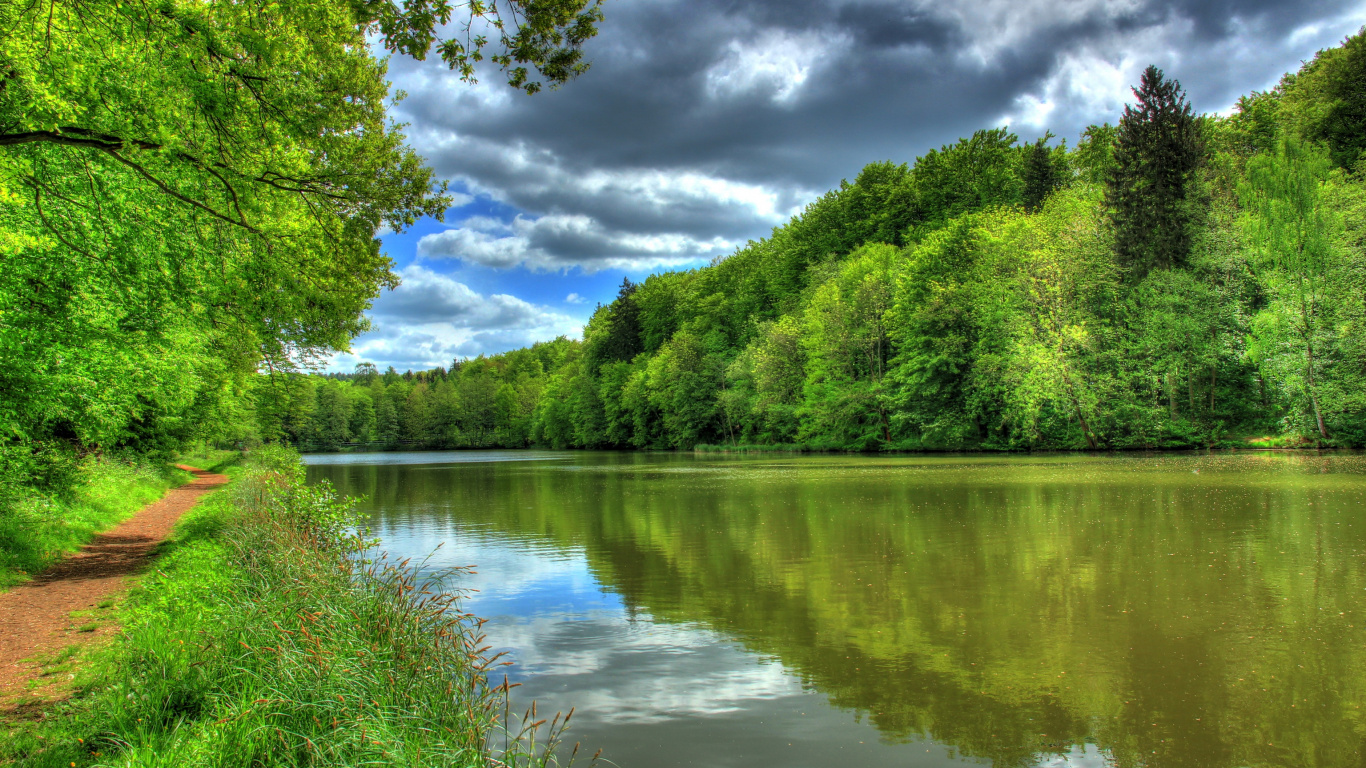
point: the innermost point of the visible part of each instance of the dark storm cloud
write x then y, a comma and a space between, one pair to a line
705, 122
1214, 20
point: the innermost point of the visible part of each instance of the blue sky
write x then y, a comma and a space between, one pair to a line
702, 124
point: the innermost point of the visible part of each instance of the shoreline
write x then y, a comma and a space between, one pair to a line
721, 449
268, 631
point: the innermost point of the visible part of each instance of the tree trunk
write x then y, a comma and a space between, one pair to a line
1213, 380
1313, 397
1076, 404
1171, 396
1085, 428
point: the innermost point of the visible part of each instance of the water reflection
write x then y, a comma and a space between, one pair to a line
1188, 611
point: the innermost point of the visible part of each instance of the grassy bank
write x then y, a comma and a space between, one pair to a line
1223, 442
209, 458
38, 529
263, 638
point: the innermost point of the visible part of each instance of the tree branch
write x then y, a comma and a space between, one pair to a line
76, 137
190, 201
38, 206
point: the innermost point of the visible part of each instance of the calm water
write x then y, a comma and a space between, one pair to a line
924, 611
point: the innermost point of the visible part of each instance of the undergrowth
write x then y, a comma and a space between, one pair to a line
266, 638
37, 529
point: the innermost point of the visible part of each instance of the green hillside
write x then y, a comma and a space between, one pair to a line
1169, 281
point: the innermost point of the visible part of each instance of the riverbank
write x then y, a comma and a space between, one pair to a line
262, 638
1226, 442
1250, 442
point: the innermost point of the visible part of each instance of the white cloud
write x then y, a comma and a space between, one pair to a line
1085, 84
531, 174
1093, 82
992, 27
432, 318
776, 63
663, 189
561, 241
476, 244
427, 297
536, 178
632, 218
574, 298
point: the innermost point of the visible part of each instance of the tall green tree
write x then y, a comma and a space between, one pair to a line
1292, 236
1094, 157
1343, 122
1041, 176
934, 326
616, 332
845, 338
386, 419
1044, 278
1158, 149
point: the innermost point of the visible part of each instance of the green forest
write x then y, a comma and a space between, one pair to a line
1170, 281
184, 243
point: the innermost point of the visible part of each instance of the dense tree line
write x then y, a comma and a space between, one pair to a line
487, 402
1170, 281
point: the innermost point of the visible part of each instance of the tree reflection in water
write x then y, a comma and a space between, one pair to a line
1170, 611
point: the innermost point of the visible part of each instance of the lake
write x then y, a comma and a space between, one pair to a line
776, 610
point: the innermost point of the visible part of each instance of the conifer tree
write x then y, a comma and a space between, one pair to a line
1040, 177
1158, 148
623, 343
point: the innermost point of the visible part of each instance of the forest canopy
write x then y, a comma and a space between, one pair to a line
1172, 280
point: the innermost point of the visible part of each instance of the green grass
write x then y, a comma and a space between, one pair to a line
1278, 441
211, 459
37, 530
263, 638
755, 448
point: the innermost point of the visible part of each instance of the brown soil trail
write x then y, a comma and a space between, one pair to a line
35, 616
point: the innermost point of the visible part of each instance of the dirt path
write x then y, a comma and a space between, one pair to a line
35, 617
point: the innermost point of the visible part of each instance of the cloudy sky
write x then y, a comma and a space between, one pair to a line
704, 123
